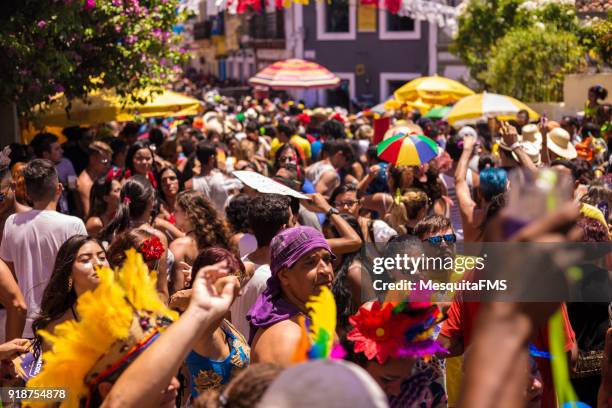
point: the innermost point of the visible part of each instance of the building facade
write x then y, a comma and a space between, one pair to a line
372, 50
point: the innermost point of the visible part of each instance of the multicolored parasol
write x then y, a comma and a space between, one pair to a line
295, 74
407, 150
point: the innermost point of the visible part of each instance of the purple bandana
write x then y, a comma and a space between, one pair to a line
286, 248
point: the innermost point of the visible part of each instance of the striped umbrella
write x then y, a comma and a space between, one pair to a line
407, 150
295, 74
480, 107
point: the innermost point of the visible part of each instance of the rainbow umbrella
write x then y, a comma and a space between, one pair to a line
407, 150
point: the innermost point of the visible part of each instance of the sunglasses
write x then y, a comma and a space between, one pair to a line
437, 240
346, 203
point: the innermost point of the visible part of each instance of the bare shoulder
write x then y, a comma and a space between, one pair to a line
94, 225
277, 343
180, 244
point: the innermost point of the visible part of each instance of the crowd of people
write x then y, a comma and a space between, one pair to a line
137, 269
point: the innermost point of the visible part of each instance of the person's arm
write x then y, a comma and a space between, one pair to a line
365, 182
327, 183
189, 184
379, 202
349, 240
12, 348
543, 126
167, 227
464, 197
83, 192
14, 303
498, 362
93, 226
162, 359
510, 136
604, 396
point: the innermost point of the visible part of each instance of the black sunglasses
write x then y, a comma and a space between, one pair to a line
437, 240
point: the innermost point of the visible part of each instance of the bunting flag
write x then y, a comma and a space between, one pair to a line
434, 12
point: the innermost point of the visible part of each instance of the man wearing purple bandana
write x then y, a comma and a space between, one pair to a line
301, 262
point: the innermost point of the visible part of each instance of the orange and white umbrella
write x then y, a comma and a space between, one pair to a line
295, 74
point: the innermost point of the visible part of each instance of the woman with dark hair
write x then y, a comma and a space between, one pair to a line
136, 210
103, 203
221, 352
143, 241
289, 158
199, 220
74, 273
138, 201
139, 161
170, 184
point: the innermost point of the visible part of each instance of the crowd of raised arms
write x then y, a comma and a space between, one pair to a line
141, 265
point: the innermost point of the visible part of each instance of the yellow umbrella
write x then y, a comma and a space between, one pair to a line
105, 106
433, 90
480, 107
395, 104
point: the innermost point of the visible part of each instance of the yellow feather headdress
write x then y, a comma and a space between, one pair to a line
117, 320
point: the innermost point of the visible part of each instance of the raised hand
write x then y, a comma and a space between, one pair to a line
211, 298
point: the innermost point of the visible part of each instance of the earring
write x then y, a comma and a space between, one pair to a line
69, 284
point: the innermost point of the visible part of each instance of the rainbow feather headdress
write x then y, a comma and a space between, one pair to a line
318, 341
117, 321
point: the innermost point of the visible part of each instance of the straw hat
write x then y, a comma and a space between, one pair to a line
532, 150
559, 143
531, 133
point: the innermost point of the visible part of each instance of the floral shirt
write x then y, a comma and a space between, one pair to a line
209, 374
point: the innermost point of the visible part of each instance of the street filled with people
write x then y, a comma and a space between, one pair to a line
224, 259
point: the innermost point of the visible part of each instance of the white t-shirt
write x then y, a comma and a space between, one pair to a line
217, 188
250, 292
31, 241
247, 244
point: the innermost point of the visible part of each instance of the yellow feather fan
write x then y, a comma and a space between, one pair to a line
106, 321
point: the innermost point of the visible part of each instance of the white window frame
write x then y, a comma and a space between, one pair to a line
349, 76
323, 35
383, 34
385, 77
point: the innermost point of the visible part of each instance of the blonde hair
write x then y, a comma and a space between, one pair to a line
406, 207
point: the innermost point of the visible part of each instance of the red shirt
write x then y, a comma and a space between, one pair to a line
460, 323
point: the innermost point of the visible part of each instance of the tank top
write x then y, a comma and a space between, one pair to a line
209, 374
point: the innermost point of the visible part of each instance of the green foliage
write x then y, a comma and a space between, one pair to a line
484, 42
76, 46
481, 24
596, 36
534, 72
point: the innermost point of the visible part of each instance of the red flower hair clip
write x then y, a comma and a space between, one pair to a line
114, 173
152, 249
